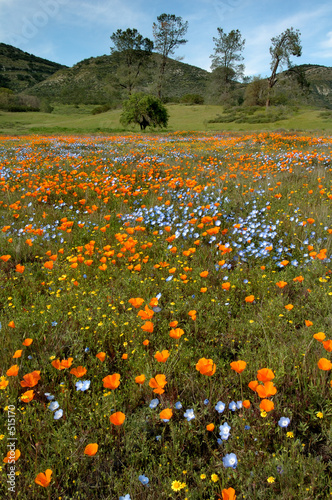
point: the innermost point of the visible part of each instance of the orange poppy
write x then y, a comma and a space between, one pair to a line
266, 390
79, 371
27, 342
136, 302
299, 279
192, 314
112, 381
146, 314
3, 382
146, 342
162, 356
174, 324
12, 371
320, 336
176, 333
49, 264
158, 383
27, 396
226, 286
5, 258
328, 345
228, 494
31, 379
281, 284
265, 375
289, 307
210, 427
19, 268
204, 274
308, 322
253, 385
250, 299
117, 418
147, 327
153, 302
206, 367
124, 356
140, 379
11, 324
17, 354
324, 364
62, 365
238, 366
101, 356
11, 458
246, 403
91, 449
166, 414
44, 479
266, 405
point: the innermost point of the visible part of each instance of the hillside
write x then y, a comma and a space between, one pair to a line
94, 81
320, 80
20, 70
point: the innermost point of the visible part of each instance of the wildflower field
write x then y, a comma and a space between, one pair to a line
166, 320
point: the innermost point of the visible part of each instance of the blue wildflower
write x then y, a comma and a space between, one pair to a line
154, 403
54, 405
58, 414
126, 497
284, 422
189, 415
144, 480
230, 460
232, 406
206, 401
82, 385
224, 431
220, 407
178, 405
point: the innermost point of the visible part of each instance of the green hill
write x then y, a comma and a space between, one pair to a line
20, 70
95, 81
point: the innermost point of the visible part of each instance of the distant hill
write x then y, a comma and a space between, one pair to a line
94, 81
20, 70
320, 80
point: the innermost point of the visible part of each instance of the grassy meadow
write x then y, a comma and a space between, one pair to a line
165, 310
69, 119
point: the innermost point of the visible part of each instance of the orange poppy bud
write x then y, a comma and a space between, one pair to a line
210, 427
166, 414
266, 405
238, 366
79, 371
158, 383
265, 375
12, 371
146, 342
44, 479
250, 299
91, 449
112, 381
11, 324
228, 494
124, 356
324, 364
246, 403
140, 379
162, 356
101, 356
27, 342
27, 396
117, 418
176, 333
206, 367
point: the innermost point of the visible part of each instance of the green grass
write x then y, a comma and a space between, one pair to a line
71, 119
121, 208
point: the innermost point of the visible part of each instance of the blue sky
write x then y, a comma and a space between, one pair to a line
67, 31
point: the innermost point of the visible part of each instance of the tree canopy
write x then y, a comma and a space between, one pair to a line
283, 46
168, 32
145, 110
227, 55
132, 52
